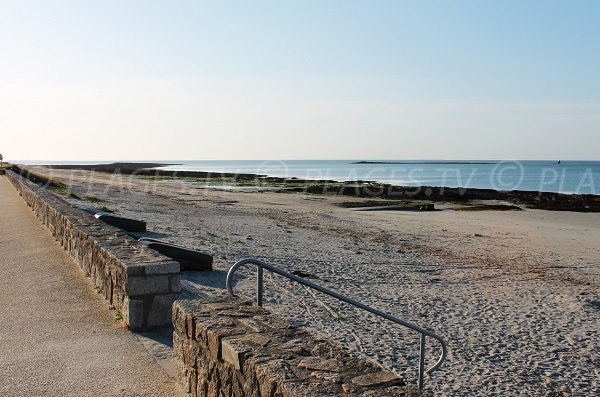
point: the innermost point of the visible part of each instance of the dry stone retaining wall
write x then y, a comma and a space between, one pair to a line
141, 283
225, 347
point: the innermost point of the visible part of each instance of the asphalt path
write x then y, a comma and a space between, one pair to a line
57, 336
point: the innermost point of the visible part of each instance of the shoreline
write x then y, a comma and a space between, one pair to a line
531, 199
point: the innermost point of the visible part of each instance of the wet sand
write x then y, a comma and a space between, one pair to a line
516, 294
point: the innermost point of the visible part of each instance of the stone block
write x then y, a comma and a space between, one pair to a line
148, 285
161, 267
377, 379
212, 331
319, 364
134, 314
160, 313
234, 352
175, 283
134, 270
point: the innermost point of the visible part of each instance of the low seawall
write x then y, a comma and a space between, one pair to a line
226, 347
140, 283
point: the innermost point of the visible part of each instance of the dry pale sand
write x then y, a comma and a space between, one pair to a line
516, 294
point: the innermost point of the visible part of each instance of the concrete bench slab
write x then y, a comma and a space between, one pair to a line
188, 258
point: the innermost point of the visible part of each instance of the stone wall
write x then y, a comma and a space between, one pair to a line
225, 347
139, 282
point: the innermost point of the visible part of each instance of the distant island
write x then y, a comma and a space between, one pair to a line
424, 162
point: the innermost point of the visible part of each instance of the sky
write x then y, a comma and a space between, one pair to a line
327, 79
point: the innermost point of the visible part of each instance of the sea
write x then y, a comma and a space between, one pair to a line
578, 177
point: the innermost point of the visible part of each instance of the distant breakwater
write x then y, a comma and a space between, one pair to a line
359, 188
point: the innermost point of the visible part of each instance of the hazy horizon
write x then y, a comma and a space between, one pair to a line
297, 159
311, 80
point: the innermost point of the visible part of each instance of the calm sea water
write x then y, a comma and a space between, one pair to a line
582, 177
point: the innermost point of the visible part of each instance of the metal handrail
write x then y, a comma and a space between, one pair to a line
259, 301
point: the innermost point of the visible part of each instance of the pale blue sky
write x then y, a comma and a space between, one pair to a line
300, 80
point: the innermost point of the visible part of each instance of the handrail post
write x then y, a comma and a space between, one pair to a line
422, 361
259, 285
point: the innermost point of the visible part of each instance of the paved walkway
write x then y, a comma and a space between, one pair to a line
57, 336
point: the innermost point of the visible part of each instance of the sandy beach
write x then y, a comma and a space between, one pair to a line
515, 293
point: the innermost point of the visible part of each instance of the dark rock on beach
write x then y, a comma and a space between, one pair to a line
427, 207
536, 200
